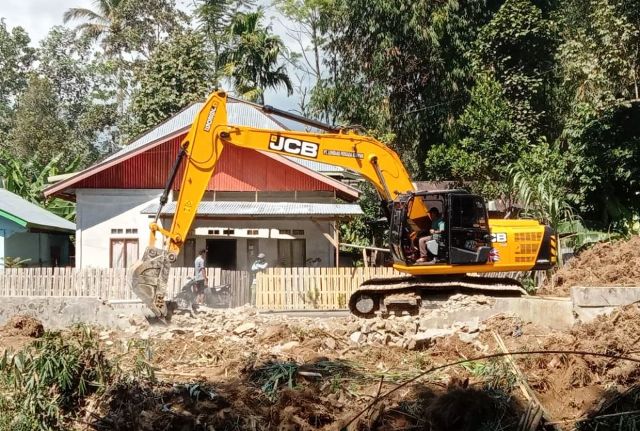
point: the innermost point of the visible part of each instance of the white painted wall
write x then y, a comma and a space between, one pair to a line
15, 241
99, 211
316, 244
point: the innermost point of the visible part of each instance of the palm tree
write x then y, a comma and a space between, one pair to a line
104, 24
251, 57
97, 24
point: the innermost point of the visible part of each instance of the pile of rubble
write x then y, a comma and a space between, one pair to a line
278, 333
243, 367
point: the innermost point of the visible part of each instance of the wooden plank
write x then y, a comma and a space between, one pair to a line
526, 390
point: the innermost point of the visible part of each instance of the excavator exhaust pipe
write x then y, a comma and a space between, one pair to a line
148, 278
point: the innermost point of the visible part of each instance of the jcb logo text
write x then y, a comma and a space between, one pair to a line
293, 146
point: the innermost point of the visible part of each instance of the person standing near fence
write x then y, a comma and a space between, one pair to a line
258, 266
201, 277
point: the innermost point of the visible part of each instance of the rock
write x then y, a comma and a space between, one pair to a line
245, 327
358, 337
180, 331
275, 350
329, 343
468, 338
473, 326
365, 328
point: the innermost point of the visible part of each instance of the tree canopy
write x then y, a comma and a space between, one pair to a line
535, 101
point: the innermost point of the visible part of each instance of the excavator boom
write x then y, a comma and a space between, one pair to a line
201, 149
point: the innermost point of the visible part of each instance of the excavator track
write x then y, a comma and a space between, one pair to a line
378, 295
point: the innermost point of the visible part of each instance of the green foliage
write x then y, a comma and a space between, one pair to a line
542, 199
575, 235
492, 141
496, 374
605, 153
177, 74
28, 179
13, 262
399, 67
272, 375
252, 57
127, 25
517, 47
16, 58
40, 386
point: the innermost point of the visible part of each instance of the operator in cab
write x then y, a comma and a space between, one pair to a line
437, 229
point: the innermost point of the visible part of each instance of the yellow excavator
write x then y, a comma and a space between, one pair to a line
470, 242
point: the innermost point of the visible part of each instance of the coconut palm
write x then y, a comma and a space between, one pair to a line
251, 57
98, 24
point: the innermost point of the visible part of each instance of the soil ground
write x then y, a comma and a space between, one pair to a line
236, 369
241, 370
614, 263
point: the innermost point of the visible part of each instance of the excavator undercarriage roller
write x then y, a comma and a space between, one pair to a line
398, 294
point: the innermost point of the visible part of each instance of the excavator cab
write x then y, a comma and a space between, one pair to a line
466, 240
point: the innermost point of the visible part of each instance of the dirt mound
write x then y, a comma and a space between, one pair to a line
24, 325
614, 263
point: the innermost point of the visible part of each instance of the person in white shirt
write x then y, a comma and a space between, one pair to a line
258, 266
201, 276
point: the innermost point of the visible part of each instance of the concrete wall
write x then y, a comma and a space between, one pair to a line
7, 229
99, 211
36, 246
15, 241
317, 246
60, 312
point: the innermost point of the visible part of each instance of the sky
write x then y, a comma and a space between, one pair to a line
38, 16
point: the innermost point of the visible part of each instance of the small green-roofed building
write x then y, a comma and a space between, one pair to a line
30, 232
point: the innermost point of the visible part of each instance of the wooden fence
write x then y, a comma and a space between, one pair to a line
108, 283
312, 288
276, 288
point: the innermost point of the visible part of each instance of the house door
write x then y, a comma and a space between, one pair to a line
221, 253
291, 252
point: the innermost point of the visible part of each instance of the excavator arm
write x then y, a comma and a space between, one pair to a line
210, 133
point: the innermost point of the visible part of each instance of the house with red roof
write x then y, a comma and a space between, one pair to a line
256, 202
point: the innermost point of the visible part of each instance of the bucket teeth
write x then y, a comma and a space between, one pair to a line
148, 279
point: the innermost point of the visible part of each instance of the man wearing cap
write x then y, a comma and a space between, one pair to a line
258, 266
201, 276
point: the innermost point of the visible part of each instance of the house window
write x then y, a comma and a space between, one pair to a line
292, 252
131, 231
117, 231
123, 252
298, 232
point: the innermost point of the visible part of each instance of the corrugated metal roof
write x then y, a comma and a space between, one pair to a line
316, 166
179, 121
31, 214
263, 209
238, 114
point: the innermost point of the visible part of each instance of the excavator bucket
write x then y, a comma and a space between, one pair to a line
148, 279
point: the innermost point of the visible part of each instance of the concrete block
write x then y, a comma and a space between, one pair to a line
604, 296
591, 302
554, 313
57, 312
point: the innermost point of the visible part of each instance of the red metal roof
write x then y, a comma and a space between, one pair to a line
238, 169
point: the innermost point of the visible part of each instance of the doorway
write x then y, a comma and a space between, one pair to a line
221, 253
